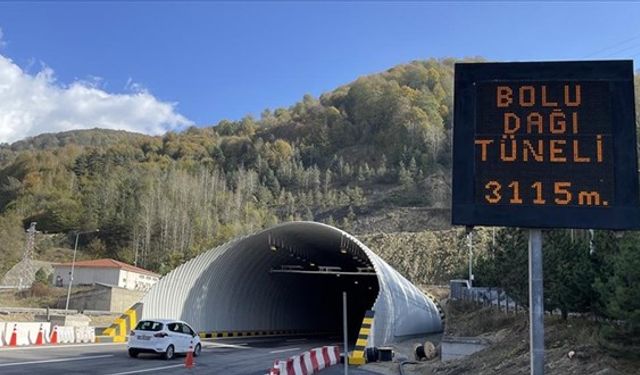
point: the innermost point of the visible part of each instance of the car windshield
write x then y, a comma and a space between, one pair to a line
147, 325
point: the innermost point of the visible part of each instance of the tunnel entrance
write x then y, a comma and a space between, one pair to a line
290, 278
321, 270
323, 293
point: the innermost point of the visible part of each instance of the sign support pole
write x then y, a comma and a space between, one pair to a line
536, 303
470, 241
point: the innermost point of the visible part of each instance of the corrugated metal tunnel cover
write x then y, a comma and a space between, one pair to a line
262, 282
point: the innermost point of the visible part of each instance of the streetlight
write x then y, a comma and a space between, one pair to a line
73, 263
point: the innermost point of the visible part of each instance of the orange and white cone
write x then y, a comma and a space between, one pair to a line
13, 341
188, 362
54, 336
40, 337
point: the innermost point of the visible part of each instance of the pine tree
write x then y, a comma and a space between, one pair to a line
569, 273
620, 295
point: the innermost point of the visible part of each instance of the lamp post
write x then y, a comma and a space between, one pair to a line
73, 264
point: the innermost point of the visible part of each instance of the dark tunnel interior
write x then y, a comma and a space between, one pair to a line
318, 273
325, 294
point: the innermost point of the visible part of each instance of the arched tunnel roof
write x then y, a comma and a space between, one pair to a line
291, 277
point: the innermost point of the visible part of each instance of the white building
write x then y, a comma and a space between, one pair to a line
106, 271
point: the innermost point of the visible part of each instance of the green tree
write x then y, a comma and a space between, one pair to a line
620, 295
404, 177
42, 277
569, 273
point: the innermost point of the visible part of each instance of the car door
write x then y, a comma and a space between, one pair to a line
177, 337
189, 336
185, 338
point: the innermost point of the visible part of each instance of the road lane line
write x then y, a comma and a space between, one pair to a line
147, 370
9, 348
219, 345
283, 350
56, 360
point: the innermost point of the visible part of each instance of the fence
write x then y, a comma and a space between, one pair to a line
493, 297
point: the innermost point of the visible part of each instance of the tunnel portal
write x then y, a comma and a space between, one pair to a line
290, 278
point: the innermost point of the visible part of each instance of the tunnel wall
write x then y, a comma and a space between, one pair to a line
230, 288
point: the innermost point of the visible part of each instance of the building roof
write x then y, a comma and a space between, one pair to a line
107, 263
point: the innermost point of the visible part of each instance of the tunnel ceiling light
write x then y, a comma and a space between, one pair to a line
273, 248
301, 270
330, 268
343, 250
356, 282
291, 267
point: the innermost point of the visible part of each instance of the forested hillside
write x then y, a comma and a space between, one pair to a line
370, 156
378, 143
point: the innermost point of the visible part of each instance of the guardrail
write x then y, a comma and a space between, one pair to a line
38, 310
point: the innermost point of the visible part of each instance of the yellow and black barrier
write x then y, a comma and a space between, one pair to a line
357, 357
120, 328
438, 306
260, 333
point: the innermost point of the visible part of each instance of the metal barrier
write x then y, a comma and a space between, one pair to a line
487, 296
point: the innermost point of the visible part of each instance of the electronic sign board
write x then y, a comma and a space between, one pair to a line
545, 145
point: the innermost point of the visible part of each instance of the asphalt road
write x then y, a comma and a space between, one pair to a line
248, 356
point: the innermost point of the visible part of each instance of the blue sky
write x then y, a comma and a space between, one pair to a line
201, 62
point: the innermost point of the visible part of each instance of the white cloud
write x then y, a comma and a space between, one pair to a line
31, 104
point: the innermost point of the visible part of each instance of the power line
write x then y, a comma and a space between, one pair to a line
613, 46
632, 47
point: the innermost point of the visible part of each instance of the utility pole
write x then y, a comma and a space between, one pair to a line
73, 264
28, 269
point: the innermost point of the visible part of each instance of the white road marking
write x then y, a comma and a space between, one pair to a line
56, 360
219, 345
147, 370
61, 346
283, 350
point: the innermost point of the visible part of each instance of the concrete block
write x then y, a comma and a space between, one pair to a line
460, 347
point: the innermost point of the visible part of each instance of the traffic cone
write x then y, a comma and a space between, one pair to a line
275, 370
14, 336
188, 362
39, 338
54, 336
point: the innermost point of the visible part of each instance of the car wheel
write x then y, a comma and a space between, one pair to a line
197, 350
133, 353
169, 353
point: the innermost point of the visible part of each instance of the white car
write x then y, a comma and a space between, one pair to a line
161, 336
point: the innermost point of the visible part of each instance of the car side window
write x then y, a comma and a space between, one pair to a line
186, 329
174, 327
